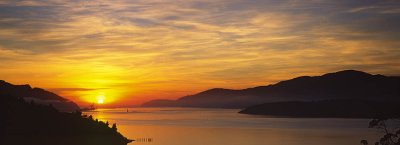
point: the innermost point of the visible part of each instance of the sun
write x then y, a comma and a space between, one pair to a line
100, 99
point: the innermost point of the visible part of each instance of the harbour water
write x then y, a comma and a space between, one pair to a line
198, 126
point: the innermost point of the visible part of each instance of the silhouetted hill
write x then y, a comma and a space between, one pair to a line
328, 108
38, 95
23, 123
348, 84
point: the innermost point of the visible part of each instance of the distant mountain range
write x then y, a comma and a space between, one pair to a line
37, 95
342, 85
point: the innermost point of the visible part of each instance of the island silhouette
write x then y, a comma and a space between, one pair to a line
327, 109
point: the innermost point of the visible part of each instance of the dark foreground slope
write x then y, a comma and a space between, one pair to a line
23, 123
348, 84
328, 108
39, 95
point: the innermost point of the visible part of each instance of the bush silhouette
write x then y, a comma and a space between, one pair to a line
391, 134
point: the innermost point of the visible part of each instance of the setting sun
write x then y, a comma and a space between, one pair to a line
100, 99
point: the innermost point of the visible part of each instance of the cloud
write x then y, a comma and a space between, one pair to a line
74, 89
141, 47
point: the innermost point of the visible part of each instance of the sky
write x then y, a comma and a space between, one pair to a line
131, 51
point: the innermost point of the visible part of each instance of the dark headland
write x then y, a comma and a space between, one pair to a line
40, 96
25, 122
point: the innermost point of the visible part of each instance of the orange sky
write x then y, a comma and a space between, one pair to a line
130, 51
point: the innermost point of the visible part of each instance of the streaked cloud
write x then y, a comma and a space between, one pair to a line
145, 49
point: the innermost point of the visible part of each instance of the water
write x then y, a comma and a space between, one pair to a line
194, 126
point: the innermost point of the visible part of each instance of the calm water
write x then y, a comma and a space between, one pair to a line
194, 126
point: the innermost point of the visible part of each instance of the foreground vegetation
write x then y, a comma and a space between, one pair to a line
27, 123
391, 134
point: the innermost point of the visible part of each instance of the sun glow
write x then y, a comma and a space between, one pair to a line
100, 99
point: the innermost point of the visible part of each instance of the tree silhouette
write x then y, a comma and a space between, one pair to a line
391, 136
114, 127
